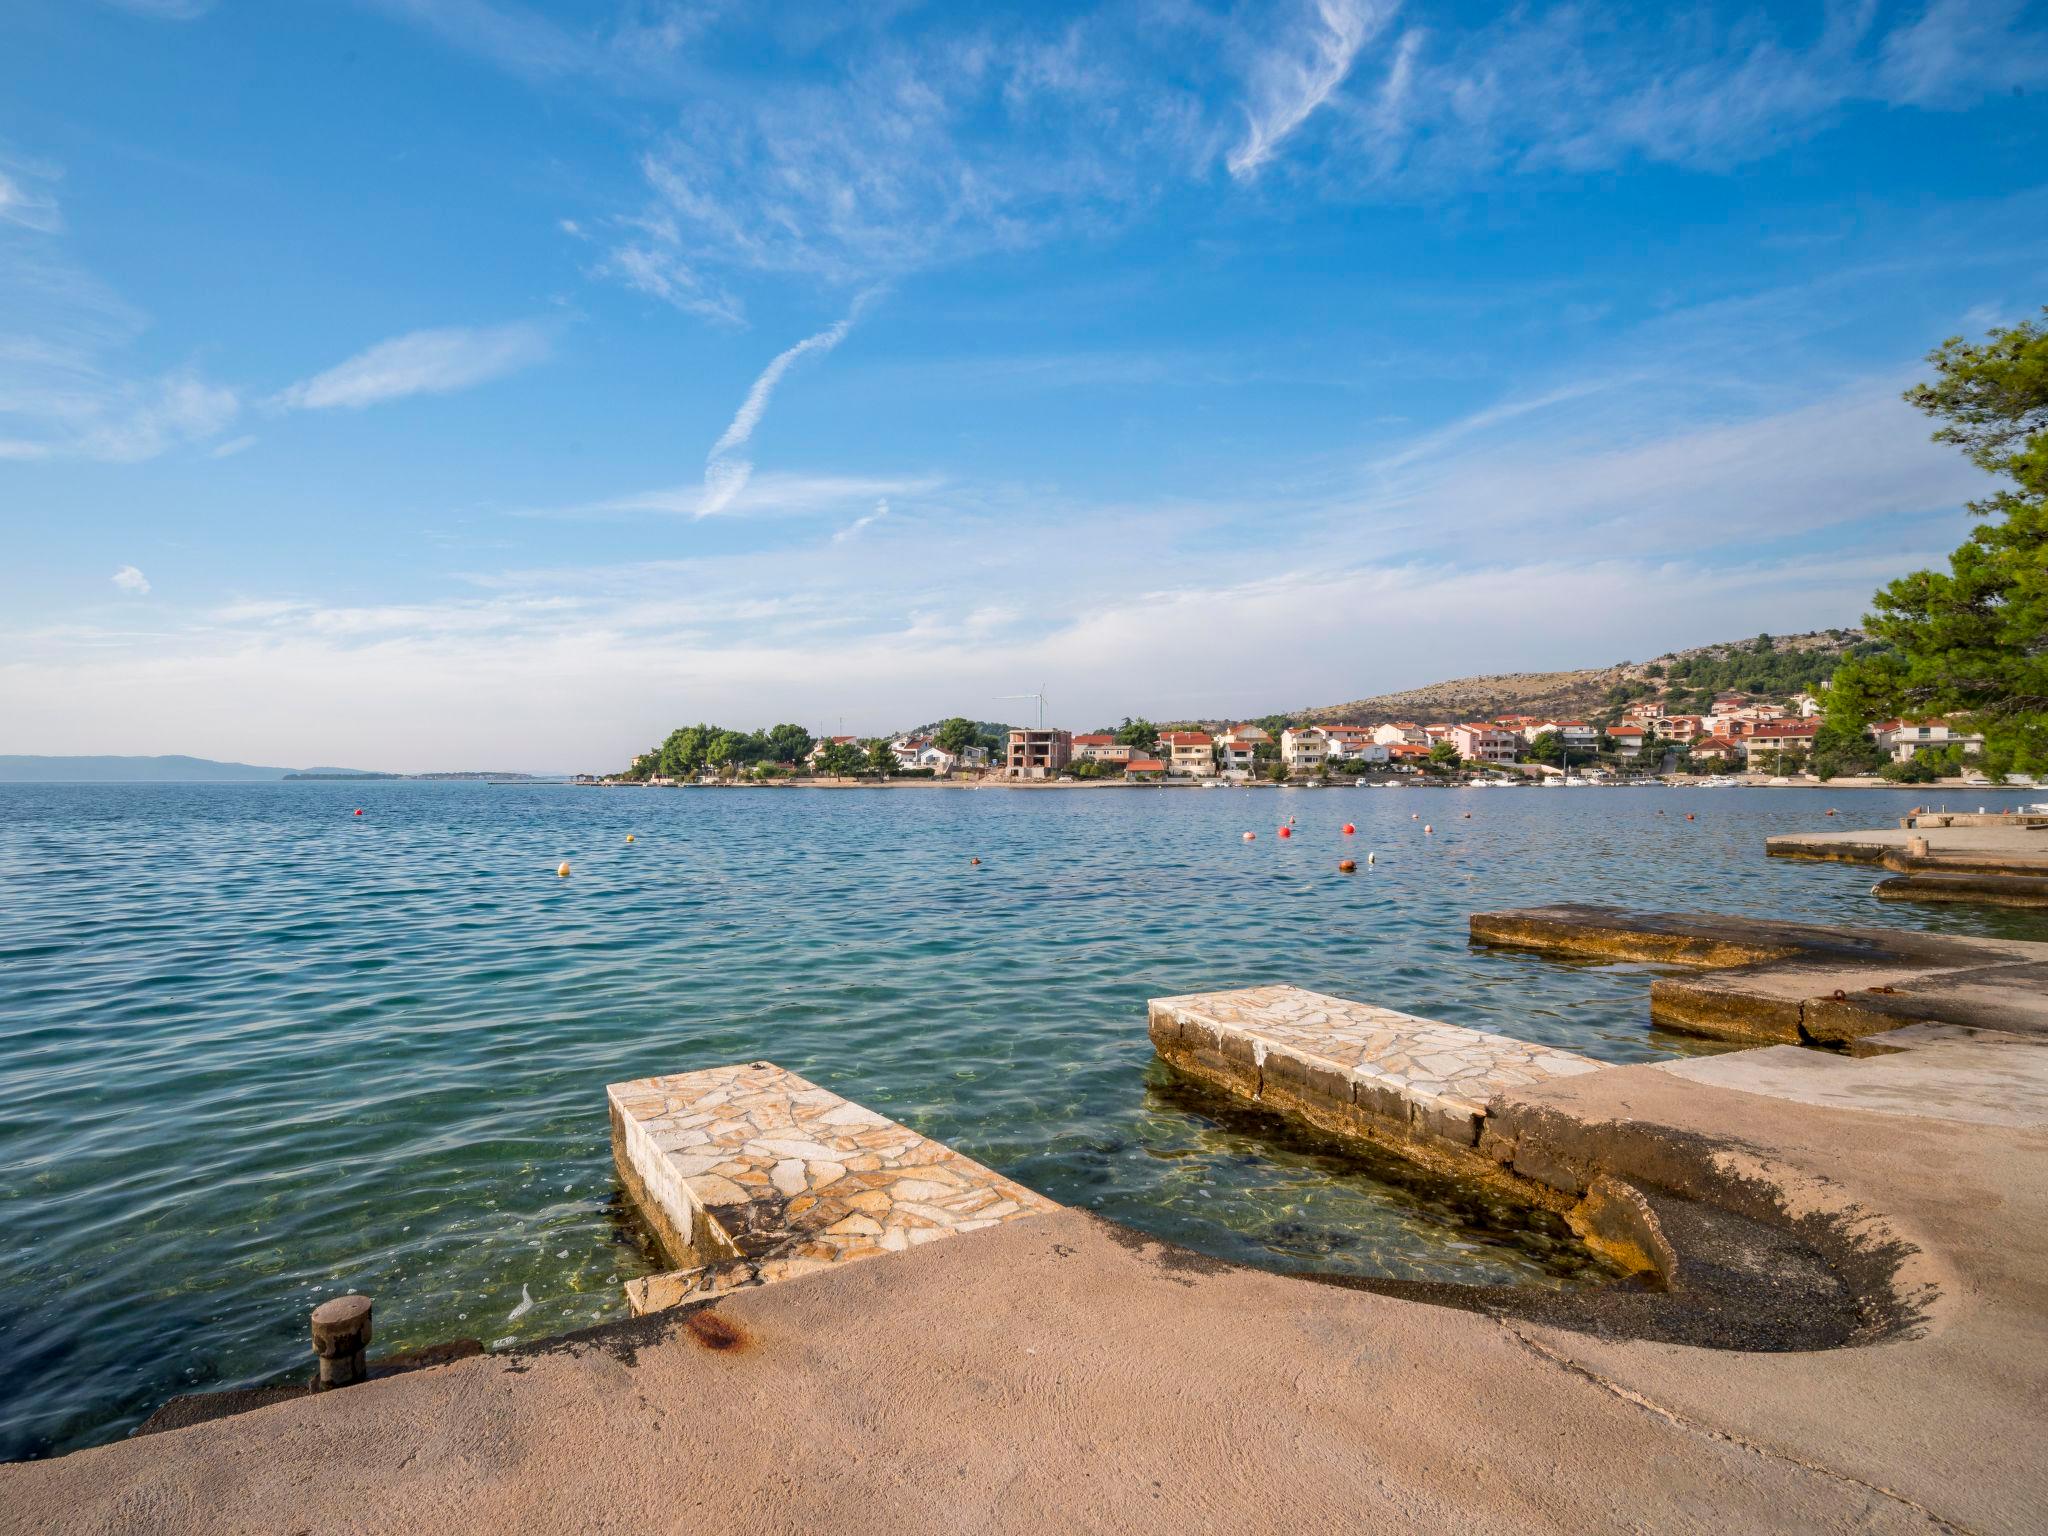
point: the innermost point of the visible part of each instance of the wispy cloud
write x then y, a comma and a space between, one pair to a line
69, 387
726, 472
853, 529
27, 198
431, 362
773, 494
165, 10
233, 446
129, 579
639, 49
653, 265
1292, 80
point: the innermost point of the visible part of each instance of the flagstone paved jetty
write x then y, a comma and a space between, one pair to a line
750, 1174
1351, 1067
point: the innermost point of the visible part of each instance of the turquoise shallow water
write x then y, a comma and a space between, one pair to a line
255, 1050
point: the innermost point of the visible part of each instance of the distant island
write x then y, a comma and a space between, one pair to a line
27, 769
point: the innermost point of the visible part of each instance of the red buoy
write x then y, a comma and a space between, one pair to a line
1349, 829
1287, 831
1347, 866
1688, 815
359, 810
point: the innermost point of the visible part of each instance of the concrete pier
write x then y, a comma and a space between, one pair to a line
1352, 1068
1795, 983
1993, 860
751, 1174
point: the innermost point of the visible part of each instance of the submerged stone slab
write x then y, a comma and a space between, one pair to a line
1795, 983
1354, 1068
750, 1174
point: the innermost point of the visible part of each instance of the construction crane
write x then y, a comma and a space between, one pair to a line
1040, 696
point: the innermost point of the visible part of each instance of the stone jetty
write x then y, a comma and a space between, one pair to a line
1352, 1068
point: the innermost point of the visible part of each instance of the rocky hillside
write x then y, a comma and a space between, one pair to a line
1768, 666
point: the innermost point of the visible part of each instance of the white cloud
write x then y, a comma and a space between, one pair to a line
68, 387
725, 472
233, 446
165, 10
430, 362
24, 202
129, 579
1293, 79
853, 529
653, 267
639, 50
771, 495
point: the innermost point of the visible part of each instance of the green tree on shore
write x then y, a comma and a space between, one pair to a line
1140, 733
880, 759
1972, 642
956, 734
840, 759
788, 743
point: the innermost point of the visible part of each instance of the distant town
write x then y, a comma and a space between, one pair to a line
1737, 733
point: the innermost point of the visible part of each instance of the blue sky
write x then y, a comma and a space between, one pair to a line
457, 383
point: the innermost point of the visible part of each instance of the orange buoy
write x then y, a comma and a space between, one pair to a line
1349, 829
1287, 831
562, 869
1251, 837
1688, 815
974, 861
1348, 866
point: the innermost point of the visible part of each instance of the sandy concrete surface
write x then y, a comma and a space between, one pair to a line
2011, 849
1795, 983
1061, 1375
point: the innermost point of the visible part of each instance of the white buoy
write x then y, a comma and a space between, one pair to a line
1371, 858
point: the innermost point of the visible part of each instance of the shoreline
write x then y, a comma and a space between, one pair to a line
1949, 786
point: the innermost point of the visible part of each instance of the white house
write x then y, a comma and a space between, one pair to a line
1901, 739
1397, 733
1237, 749
1304, 749
1191, 754
1353, 744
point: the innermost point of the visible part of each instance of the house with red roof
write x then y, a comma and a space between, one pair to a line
1189, 754
1103, 747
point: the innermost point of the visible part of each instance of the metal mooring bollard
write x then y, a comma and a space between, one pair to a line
341, 1338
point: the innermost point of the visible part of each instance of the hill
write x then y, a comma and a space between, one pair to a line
1686, 681
137, 770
